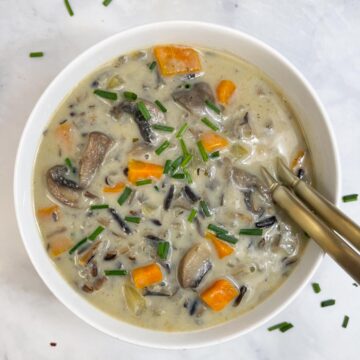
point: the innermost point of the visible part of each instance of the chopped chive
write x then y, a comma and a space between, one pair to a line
202, 151
98, 207
316, 287
179, 176
143, 182
205, 208
106, 2
36, 54
162, 147
251, 232
133, 219
163, 128
68, 7
186, 160
217, 229
329, 302
350, 197
212, 106
192, 215
181, 131
152, 65
144, 111
286, 327
160, 106
345, 322
96, 233
106, 94
215, 154
209, 124
128, 95
70, 165
228, 238
176, 163
117, 272
124, 195
187, 176
167, 166
77, 245
277, 326
163, 249
184, 149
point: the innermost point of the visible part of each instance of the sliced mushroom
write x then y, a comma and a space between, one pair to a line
194, 99
194, 265
97, 146
64, 190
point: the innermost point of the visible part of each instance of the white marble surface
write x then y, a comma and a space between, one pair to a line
320, 37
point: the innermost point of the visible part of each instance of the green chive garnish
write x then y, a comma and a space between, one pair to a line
70, 165
124, 196
128, 95
98, 207
160, 106
176, 163
106, 94
350, 197
106, 2
96, 233
163, 128
215, 154
251, 232
133, 219
152, 65
117, 272
277, 326
77, 245
167, 166
345, 322
162, 147
228, 238
187, 176
68, 7
329, 302
163, 249
144, 111
192, 215
184, 149
316, 287
36, 54
209, 124
181, 131
186, 160
202, 151
217, 229
212, 106
205, 208
143, 182
286, 327
179, 176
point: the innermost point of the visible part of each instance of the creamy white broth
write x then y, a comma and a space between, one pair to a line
258, 264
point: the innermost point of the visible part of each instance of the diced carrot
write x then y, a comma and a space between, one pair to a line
140, 170
88, 254
174, 60
221, 247
64, 135
298, 159
147, 275
212, 141
219, 294
48, 211
114, 189
224, 91
59, 245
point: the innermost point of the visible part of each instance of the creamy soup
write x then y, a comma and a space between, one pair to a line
148, 191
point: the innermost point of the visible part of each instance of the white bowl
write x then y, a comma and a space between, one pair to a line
302, 98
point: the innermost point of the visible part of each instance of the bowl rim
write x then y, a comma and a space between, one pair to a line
70, 299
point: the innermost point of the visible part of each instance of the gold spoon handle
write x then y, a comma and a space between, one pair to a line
327, 211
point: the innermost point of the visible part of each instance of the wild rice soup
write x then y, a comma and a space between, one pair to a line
148, 191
